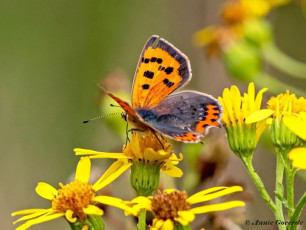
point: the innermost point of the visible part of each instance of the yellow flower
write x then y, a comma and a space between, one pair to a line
298, 157
287, 111
242, 137
147, 156
237, 107
173, 207
76, 200
145, 148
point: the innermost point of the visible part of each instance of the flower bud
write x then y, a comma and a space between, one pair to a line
242, 60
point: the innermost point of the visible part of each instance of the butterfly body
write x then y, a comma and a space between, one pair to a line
184, 116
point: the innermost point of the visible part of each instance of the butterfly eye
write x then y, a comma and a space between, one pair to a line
124, 116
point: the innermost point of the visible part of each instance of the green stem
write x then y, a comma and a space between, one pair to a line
297, 212
142, 220
290, 174
283, 62
247, 161
275, 85
279, 189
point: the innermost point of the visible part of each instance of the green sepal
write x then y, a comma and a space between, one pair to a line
145, 177
178, 226
242, 139
93, 222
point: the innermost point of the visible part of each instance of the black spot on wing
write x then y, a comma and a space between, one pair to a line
169, 70
159, 60
145, 86
148, 74
168, 83
153, 59
184, 69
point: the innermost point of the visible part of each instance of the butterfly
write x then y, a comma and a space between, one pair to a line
184, 116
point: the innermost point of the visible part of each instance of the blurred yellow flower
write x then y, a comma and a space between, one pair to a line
298, 157
75, 200
172, 207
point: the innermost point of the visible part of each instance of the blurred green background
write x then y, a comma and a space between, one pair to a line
53, 53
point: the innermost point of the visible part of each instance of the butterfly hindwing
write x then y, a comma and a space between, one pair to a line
162, 68
184, 116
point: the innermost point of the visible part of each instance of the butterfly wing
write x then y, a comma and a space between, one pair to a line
185, 116
161, 69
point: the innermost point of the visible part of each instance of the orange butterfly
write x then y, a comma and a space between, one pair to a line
184, 116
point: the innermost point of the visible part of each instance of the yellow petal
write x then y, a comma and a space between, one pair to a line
260, 127
115, 202
296, 125
112, 173
157, 223
258, 116
141, 199
33, 214
168, 225
172, 171
69, 216
258, 99
39, 220
93, 210
217, 207
28, 211
298, 157
95, 154
185, 217
195, 196
214, 195
251, 96
236, 101
46, 191
82, 173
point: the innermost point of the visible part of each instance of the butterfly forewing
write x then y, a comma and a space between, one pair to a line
161, 70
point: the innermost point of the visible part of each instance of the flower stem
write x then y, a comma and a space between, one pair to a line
142, 220
297, 212
279, 189
290, 174
247, 161
283, 62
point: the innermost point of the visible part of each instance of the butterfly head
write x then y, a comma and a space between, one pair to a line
124, 116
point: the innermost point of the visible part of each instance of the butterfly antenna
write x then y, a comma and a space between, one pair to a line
112, 105
96, 118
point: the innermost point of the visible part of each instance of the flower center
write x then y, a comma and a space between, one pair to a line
166, 206
74, 196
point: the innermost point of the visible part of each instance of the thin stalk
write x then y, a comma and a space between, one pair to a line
283, 62
279, 189
247, 161
297, 212
290, 190
142, 220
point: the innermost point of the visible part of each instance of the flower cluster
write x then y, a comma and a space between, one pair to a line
146, 156
285, 115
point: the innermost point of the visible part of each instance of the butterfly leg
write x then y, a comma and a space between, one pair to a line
153, 131
127, 134
135, 130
